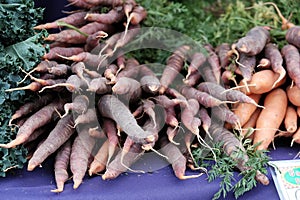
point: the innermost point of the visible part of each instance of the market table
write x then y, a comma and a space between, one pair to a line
160, 184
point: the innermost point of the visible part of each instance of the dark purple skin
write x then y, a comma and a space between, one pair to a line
292, 36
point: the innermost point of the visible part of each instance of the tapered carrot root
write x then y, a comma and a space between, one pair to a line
61, 166
75, 37
115, 168
224, 53
292, 36
205, 119
110, 107
176, 159
262, 82
56, 52
290, 120
127, 88
204, 99
57, 137
213, 61
173, 68
250, 124
32, 106
100, 159
115, 15
111, 131
38, 119
99, 86
34, 86
79, 105
81, 151
75, 19
266, 129
247, 65
296, 137
89, 116
292, 61
272, 52
224, 114
189, 118
149, 81
244, 110
197, 60
219, 92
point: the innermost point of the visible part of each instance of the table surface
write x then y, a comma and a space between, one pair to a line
160, 184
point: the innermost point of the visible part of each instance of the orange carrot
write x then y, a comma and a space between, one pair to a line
270, 118
290, 119
296, 137
244, 111
293, 93
262, 82
100, 159
250, 124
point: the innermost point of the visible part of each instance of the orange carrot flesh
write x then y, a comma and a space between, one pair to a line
100, 159
250, 124
270, 118
296, 137
263, 82
244, 110
293, 93
290, 119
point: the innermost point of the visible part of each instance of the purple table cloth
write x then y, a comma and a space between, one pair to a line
160, 184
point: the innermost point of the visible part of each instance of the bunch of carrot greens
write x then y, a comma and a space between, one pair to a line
93, 97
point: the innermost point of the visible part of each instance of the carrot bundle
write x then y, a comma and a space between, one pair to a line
122, 104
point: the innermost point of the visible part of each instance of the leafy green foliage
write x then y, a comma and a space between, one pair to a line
22, 48
17, 18
224, 168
